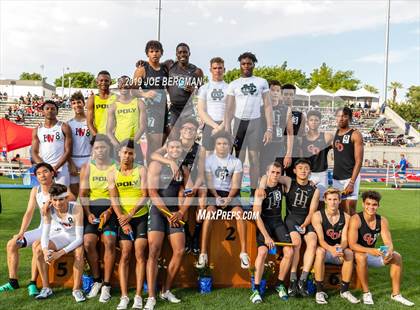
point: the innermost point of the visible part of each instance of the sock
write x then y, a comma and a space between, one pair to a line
98, 280
32, 283
252, 192
279, 282
304, 276
197, 229
14, 283
107, 284
319, 286
344, 287
187, 232
293, 276
257, 287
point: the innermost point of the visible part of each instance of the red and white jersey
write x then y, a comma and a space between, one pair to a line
81, 138
51, 143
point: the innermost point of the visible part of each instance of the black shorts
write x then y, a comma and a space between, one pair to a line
176, 112
295, 220
157, 221
139, 227
247, 134
157, 119
207, 140
97, 207
211, 200
276, 229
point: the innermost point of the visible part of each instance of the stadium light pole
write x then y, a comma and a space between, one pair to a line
388, 16
159, 19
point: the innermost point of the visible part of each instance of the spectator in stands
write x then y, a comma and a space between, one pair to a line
16, 159
403, 166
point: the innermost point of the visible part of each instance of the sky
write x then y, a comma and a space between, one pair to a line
105, 34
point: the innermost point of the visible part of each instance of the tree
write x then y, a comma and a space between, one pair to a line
413, 94
326, 78
78, 80
394, 86
30, 76
371, 88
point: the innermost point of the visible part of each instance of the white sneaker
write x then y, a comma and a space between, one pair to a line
150, 303
105, 294
124, 300
202, 261
94, 290
170, 297
244, 260
402, 300
256, 297
321, 298
347, 295
44, 294
78, 296
138, 302
367, 298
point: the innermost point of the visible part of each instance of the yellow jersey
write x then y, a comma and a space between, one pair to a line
98, 181
126, 119
100, 112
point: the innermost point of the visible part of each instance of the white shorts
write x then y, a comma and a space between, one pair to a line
321, 181
330, 259
63, 176
32, 235
341, 185
78, 161
61, 240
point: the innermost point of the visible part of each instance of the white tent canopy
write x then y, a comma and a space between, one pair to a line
320, 94
344, 93
301, 94
363, 93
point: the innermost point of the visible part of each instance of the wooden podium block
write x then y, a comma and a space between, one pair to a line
332, 277
60, 273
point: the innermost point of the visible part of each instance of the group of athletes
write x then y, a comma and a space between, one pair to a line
97, 185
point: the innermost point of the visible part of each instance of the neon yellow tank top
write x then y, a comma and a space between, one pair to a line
130, 191
98, 182
126, 119
101, 112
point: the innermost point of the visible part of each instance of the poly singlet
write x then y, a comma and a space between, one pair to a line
332, 233
80, 138
126, 119
51, 143
271, 205
129, 190
298, 198
179, 78
343, 156
100, 112
316, 152
66, 225
98, 181
367, 237
169, 187
154, 79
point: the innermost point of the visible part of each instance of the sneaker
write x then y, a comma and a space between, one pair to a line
321, 298
347, 295
202, 261
281, 290
32, 290
293, 288
302, 288
196, 245
78, 296
169, 297
150, 303
44, 294
94, 290
105, 294
124, 300
367, 298
6, 287
402, 300
255, 297
138, 302
244, 260
187, 244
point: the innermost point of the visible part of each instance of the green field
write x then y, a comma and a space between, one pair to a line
402, 208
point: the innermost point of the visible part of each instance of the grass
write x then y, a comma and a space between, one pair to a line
402, 208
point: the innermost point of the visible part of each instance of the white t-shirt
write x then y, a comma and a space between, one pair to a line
222, 170
248, 94
214, 93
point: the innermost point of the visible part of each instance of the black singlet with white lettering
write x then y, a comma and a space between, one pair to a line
154, 80
177, 94
169, 187
332, 233
271, 205
344, 160
316, 152
367, 237
298, 198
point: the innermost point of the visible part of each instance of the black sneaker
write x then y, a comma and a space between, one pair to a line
293, 289
302, 288
196, 245
187, 244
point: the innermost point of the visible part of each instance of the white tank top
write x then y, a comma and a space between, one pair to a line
41, 198
51, 143
81, 138
66, 225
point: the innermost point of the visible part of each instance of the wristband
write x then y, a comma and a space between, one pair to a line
270, 129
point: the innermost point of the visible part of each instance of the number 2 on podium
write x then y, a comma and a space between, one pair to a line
231, 234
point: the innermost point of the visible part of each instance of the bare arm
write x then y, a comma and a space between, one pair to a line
317, 224
110, 124
210, 185
353, 236
386, 234
67, 146
114, 195
312, 208
84, 188
142, 121
35, 147
153, 186
344, 234
236, 184
29, 213
290, 136
204, 116
358, 154
268, 110
230, 110
201, 167
89, 115
260, 224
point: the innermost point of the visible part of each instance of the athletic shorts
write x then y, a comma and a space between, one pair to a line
78, 161
247, 134
157, 119
175, 113
321, 181
341, 185
62, 239
31, 236
139, 227
330, 259
211, 200
63, 176
375, 261
158, 222
207, 141
293, 220
276, 229
271, 152
97, 207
